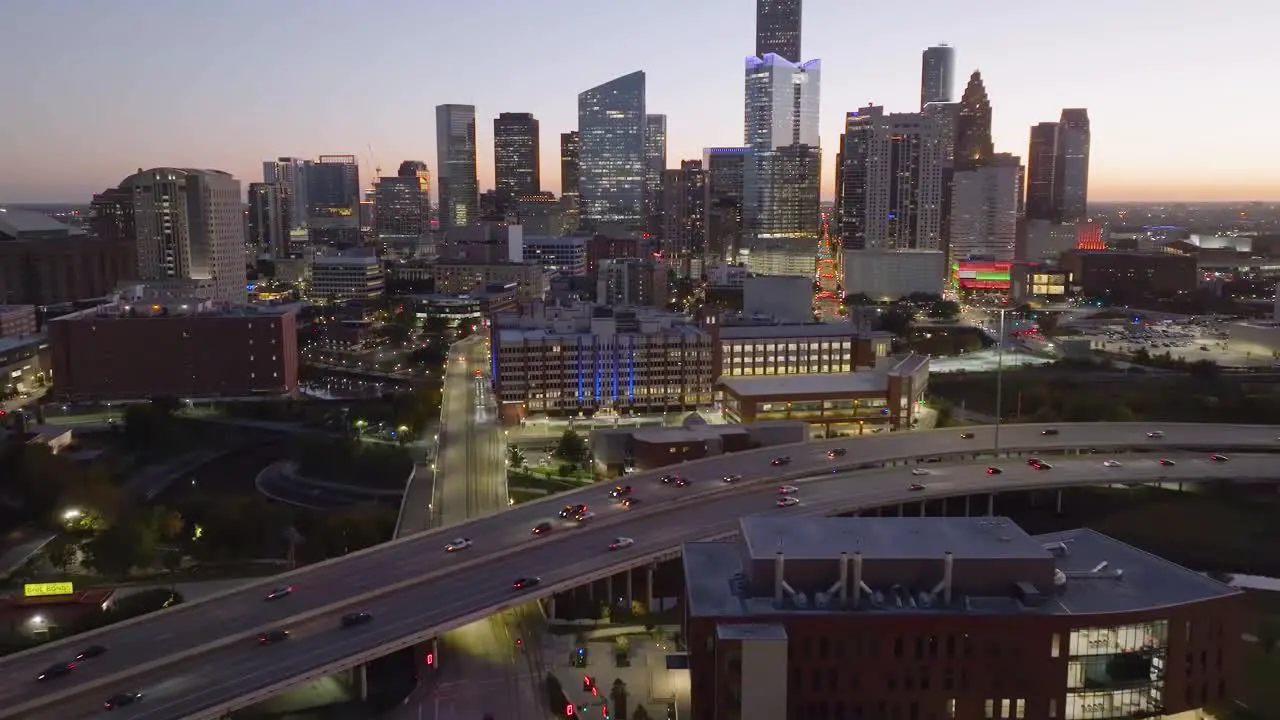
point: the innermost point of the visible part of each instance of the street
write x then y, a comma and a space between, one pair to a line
482, 670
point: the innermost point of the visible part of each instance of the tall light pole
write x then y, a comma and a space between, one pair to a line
999, 381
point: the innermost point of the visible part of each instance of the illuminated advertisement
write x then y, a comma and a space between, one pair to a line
1048, 284
47, 589
981, 274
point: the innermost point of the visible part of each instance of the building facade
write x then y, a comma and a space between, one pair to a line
1071, 166
570, 175
267, 220
723, 221
973, 125
684, 197
289, 175
459, 187
984, 209
462, 276
655, 164
45, 262
631, 281
340, 279
778, 28
516, 156
333, 201
400, 209
566, 255
612, 152
937, 75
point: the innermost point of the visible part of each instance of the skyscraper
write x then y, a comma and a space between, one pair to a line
456, 165
189, 225
333, 201
399, 210
655, 163
937, 74
267, 230
569, 178
290, 176
1041, 158
1071, 165
684, 193
973, 126
984, 209
611, 154
418, 169
778, 29
516, 156
723, 224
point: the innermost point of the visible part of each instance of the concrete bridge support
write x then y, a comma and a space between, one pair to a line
360, 681
1058, 503
991, 505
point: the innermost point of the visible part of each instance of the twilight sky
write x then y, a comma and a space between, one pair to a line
1178, 91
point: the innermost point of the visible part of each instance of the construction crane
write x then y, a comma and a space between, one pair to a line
377, 169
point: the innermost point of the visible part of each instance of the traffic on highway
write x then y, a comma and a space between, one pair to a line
200, 659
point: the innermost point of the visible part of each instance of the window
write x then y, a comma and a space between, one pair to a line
1054, 647
989, 709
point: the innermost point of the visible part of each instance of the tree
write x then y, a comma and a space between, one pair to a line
60, 552
640, 713
515, 456
167, 524
572, 447
944, 310
1048, 324
858, 299
896, 320
116, 551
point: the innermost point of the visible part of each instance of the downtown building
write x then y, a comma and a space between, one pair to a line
684, 197
570, 173
723, 168
516, 158
268, 232
655, 164
1057, 187
333, 202
459, 187
613, 157
400, 212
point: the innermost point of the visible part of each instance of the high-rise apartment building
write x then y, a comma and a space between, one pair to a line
937, 75
418, 169
1071, 165
333, 199
189, 225
655, 164
778, 29
612, 152
632, 281
973, 125
290, 176
399, 210
1041, 159
984, 209
723, 223
683, 210
569, 178
267, 230
516, 157
456, 165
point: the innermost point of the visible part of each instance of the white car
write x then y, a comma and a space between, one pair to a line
731, 478
1111, 463
621, 542
584, 517
1155, 434
457, 544
788, 490
919, 472
789, 501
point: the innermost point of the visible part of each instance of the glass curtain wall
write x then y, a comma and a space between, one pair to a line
1117, 672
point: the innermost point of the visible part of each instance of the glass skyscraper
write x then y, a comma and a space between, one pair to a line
456, 165
778, 28
516, 156
611, 128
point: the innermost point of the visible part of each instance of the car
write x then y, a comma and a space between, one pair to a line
121, 700
784, 460
1219, 458
966, 436
56, 670
788, 490
457, 544
1034, 461
356, 618
789, 501
479, 373
583, 517
683, 482
271, 637
1111, 463
993, 470
573, 510
1167, 462
92, 651
620, 491
837, 452
915, 487
1156, 434
1042, 466
918, 472
541, 528
670, 478
1049, 431
280, 592
731, 478
621, 542
524, 583
630, 501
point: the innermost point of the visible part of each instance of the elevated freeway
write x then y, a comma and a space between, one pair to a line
200, 660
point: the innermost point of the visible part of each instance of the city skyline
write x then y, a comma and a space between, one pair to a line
72, 135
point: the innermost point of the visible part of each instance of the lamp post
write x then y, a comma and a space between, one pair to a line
999, 381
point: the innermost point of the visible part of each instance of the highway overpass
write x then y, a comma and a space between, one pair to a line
199, 660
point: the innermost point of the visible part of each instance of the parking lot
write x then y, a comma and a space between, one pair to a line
1201, 339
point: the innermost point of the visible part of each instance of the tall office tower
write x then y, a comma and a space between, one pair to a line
290, 175
984, 209
456, 165
781, 208
684, 194
267, 230
891, 191
973, 125
1041, 159
516, 157
655, 164
399, 211
111, 216
937, 75
569, 177
723, 223
189, 225
333, 199
778, 29
418, 170
611, 152
1071, 165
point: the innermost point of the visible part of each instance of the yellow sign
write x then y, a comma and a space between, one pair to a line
47, 589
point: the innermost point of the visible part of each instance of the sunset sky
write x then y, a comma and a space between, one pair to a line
1181, 93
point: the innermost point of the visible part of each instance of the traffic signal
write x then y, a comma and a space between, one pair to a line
431, 659
587, 683
570, 710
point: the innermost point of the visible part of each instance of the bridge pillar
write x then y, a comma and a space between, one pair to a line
966, 505
631, 596
991, 505
648, 586
360, 681
944, 507
922, 504
591, 591
1058, 503
608, 591
551, 607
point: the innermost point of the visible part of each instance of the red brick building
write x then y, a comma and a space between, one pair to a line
178, 349
877, 618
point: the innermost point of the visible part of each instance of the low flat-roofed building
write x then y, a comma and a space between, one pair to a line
752, 345
461, 276
24, 364
338, 279
949, 617
455, 310
624, 449
45, 262
838, 402
17, 320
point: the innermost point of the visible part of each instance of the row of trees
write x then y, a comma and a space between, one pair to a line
345, 460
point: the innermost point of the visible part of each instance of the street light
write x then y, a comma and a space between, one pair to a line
999, 380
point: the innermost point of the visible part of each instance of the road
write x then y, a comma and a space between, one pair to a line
412, 584
481, 671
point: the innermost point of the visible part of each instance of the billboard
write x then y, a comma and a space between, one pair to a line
47, 589
981, 274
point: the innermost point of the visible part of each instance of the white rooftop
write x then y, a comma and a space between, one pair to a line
806, 385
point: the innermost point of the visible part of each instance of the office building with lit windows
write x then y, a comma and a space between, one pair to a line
964, 618
516, 157
594, 360
456, 166
612, 153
